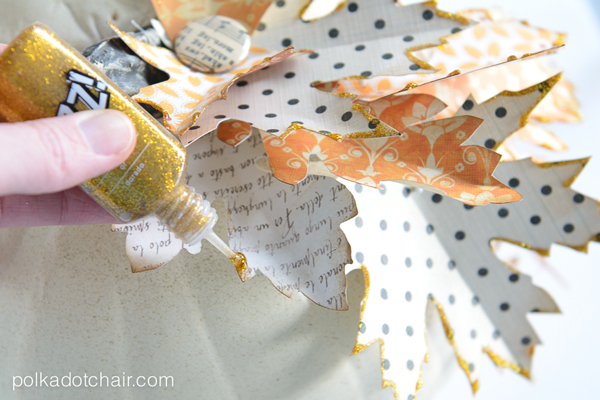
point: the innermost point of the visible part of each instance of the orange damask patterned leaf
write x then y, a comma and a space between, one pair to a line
428, 155
402, 111
233, 132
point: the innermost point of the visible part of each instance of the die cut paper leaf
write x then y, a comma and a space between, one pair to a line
289, 233
502, 33
484, 43
187, 93
499, 124
446, 258
150, 245
310, 108
429, 155
287, 99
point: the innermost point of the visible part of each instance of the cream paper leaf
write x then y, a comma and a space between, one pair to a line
290, 233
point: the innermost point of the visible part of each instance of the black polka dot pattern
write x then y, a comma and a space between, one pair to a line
460, 235
437, 198
503, 213
501, 112
360, 257
468, 105
333, 33
490, 143
428, 15
578, 198
352, 7
384, 294
380, 24
286, 42
513, 183
568, 228
373, 124
546, 190
321, 109
504, 306
347, 116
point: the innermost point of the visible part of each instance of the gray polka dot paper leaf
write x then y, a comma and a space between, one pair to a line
290, 233
505, 113
279, 93
363, 38
438, 250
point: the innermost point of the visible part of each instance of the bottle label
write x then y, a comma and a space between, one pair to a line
80, 88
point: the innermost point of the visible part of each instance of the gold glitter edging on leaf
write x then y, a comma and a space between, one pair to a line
581, 161
500, 362
544, 87
594, 238
450, 336
358, 347
381, 128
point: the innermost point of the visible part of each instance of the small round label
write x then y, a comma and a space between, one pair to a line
212, 44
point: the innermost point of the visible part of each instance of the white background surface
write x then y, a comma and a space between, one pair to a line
566, 364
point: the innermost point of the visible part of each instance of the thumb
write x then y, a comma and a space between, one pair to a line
53, 154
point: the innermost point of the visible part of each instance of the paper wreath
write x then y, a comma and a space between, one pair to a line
373, 97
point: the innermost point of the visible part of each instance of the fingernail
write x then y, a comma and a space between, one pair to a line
107, 132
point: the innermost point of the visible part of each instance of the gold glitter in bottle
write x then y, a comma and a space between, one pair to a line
42, 76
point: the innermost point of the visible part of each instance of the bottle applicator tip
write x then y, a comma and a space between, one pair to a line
220, 245
237, 259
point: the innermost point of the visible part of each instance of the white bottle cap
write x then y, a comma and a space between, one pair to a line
213, 44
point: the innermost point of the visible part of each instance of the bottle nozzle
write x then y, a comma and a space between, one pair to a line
191, 219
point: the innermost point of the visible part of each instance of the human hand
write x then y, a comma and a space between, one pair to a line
42, 161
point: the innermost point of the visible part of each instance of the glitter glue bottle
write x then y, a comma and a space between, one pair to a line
42, 76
